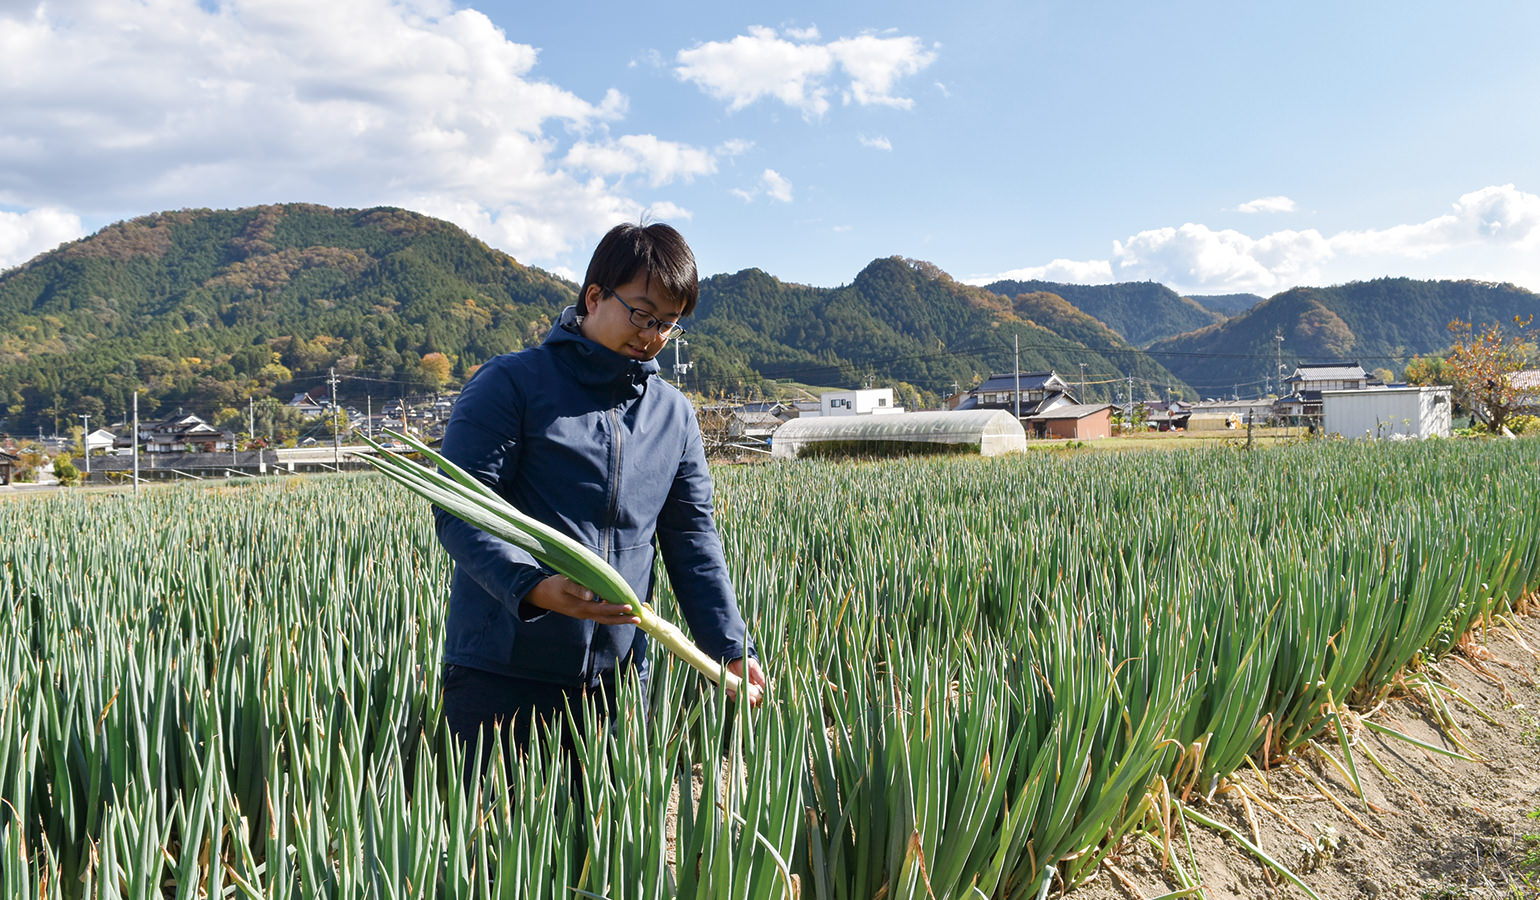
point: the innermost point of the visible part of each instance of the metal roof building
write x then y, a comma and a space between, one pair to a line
988, 431
1403, 411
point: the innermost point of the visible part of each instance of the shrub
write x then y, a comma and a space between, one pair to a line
64, 470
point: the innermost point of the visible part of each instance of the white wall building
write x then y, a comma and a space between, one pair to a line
1388, 412
871, 401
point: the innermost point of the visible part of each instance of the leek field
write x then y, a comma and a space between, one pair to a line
987, 673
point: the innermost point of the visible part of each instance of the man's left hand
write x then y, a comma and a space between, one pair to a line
758, 684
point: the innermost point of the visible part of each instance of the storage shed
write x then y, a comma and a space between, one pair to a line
1400, 411
1074, 421
988, 432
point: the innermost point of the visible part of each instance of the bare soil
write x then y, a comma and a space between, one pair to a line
1436, 828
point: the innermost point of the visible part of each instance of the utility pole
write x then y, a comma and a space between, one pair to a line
85, 442
369, 415
251, 421
1016, 367
336, 427
1082, 382
136, 441
1278, 336
680, 367
1128, 420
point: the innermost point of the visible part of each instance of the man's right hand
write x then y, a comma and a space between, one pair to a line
560, 594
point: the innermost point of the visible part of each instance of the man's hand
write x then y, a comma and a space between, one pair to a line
758, 684
560, 594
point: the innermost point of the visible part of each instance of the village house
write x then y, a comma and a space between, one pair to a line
868, 401
1527, 383
1306, 384
184, 433
1040, 392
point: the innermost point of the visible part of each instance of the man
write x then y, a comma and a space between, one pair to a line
581, 434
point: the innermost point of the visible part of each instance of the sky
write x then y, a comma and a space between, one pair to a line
1216, 147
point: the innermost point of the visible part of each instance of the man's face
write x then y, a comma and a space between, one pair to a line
608, 323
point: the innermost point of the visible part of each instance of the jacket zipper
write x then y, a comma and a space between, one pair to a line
614, 510
609, 524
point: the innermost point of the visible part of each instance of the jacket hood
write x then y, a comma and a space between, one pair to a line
594, 364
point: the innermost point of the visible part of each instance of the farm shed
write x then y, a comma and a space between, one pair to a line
1387, 412
989, 432
1076, 421
7, 463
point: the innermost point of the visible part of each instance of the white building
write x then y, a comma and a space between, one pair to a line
100, 440
871, 401
1388, 412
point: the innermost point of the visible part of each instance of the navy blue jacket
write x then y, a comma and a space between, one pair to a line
594, 444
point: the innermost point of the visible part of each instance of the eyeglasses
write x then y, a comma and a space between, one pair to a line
643, 320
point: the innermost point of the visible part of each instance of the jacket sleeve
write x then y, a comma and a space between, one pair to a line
697, 567
484, 437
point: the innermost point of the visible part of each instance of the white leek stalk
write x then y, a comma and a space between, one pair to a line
460, 494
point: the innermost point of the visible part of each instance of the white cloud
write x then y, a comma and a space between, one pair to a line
114, 109
25, 235
771, 184
668, 212
875, 64
1064, 271
734, 147
792, 68
1267, 205
1498, 215
1499, 223
1229, 260
661, 161
776, 186
876, 143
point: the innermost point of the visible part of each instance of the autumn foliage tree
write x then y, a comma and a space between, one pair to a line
436, 370
1481, 365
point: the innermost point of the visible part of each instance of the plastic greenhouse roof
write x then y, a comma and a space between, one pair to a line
939, 427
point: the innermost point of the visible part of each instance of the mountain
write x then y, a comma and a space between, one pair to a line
209, 309
900, 320
1379, 324
1226, 304
1141, 311
205, 309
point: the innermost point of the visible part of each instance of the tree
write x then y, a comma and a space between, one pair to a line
436, 369
64, 470
1481, 365
1427, 370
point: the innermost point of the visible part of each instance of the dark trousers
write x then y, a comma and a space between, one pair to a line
480, 706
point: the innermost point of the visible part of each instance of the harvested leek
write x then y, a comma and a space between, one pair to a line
460, 494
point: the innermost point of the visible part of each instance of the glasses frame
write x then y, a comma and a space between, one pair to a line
666, 330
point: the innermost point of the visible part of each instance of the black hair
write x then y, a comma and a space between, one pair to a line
656, 249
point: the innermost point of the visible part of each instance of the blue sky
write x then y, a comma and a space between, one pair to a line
1215, 147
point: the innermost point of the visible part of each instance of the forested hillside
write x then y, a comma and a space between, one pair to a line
901, 321
1379, 324
205, 309
1226, 304
1141, 311
209, 310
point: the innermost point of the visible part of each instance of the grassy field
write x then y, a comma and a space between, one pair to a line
987, 674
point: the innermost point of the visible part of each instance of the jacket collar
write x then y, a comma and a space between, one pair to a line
593, 364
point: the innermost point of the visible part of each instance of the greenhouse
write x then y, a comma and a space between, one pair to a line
987, 432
